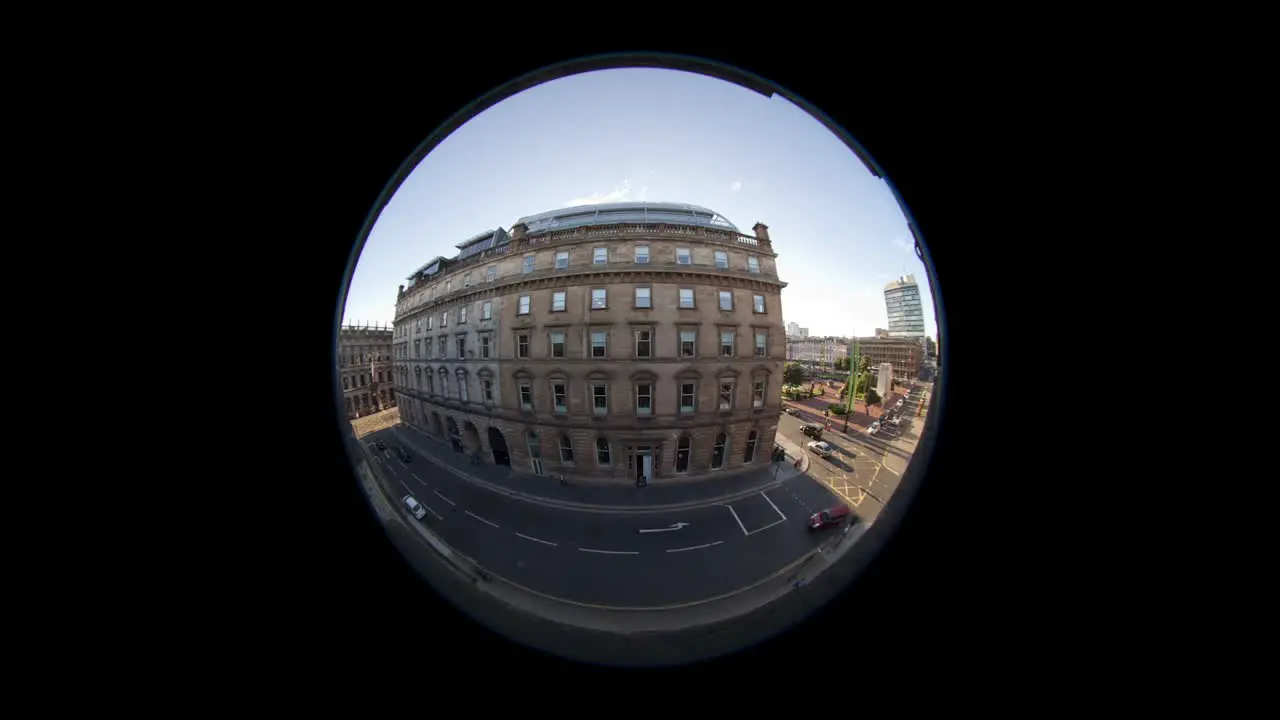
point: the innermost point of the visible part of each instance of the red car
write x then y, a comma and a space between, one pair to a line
830, 517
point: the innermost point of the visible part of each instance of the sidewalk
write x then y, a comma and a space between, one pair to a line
657, 495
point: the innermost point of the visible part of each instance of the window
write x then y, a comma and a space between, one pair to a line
642, 254
682, 455
602, 451
757, 303
683, 257
491, 273
462, 314
429, 319
462, 347
431, 383
466, 280
599, 298
487, 385
688, 396
726, 343
726, 299
644, 399
444, 319
760, 344
463, 395
599, 398
484, 346
444, 348
753, 264
686, 297
526, 396
566, 449
688, 343
528, 263
599, 344
448, 285
757, 394
522, 307
557, 301
717, 455
750, 453
444, 383
486, 310
722, 260
557, 344
559, 395
345, 385
600, 256
535, 444
642, 297
726, 394
522, 346
644, 343
562, 259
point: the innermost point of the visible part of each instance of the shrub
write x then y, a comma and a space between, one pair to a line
836, 409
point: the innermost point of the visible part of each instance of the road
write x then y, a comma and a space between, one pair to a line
614, 559
866, 469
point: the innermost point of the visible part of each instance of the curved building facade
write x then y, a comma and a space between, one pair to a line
635, 342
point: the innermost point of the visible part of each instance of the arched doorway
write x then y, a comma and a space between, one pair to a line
498, 444
470, 438
455, 438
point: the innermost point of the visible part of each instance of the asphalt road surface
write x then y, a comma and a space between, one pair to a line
860, 472
614, 559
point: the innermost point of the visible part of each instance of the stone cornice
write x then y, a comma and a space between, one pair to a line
610, 273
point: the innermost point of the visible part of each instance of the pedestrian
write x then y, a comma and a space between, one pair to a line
562, 481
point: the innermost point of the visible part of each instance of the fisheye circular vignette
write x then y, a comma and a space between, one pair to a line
590, 433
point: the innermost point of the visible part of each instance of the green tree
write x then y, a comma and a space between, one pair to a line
794, 373
872, 397
842, 364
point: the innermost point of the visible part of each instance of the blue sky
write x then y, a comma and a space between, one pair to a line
666, 136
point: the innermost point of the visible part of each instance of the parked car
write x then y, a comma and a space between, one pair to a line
895, 420
830, 517
791, 411
381, 445
415, 507
823, 450
875, 428
403, 455
813, 431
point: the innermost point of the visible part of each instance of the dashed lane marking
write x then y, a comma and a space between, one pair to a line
610, 552
444, 498
696, 547
544, 542
433, 512
486, 522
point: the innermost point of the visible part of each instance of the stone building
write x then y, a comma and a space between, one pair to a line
365, 368
902, 353
636, 342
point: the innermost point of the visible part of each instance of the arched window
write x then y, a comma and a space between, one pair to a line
682, 455
566, 449
444, 382
750, 454
717, 455
602, 451
462, 385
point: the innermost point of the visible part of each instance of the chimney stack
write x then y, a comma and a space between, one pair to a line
518, 232
762, 233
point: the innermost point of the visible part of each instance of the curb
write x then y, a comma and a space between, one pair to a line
586, 507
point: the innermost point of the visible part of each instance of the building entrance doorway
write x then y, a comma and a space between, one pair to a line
643, 463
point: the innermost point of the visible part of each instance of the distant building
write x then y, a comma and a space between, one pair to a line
797, 332
903, 354
364, 363
902, 301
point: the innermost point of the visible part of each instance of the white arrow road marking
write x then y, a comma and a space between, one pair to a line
673, 526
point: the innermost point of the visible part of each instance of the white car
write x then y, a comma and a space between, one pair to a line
415, 507
896, 420
875, 428
822, 449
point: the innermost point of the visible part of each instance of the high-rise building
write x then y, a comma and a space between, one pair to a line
630, 341
902, 301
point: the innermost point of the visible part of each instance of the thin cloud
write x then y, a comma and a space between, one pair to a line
736, 186
620, 193
906, 244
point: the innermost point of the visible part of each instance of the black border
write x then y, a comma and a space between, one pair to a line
343, 592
